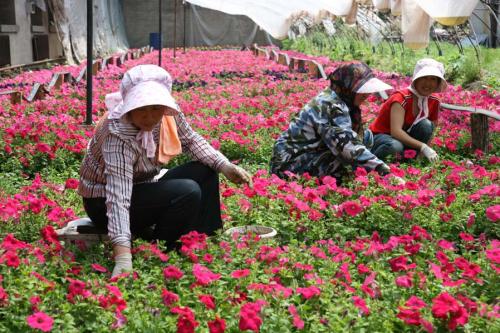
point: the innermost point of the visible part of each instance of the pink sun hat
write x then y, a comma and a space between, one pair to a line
141, 86
430, 67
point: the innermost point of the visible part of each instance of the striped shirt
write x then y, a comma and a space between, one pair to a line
115, 161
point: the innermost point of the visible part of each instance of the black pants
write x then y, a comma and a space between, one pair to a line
186, 198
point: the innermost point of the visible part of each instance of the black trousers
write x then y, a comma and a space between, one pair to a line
186, 198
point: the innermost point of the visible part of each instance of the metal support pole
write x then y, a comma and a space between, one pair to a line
159, 33
494, 23
175, 24
184, 4
90, 41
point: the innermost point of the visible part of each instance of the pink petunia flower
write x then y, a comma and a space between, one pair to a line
240, 273
172, 273
208, 300
40, 321
217, 325
493, 213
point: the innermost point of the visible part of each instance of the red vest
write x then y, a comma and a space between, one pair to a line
382, 124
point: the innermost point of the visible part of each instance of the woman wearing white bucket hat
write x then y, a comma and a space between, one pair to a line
120, 182
408, 118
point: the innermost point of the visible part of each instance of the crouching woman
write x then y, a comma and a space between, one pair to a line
120, 183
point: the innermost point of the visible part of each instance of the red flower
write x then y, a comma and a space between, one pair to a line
361, 304
169, 297
172, 272
186, 322
98, 268
400, 264
308, 292
41, 321
250, 316
217, 325
203, 275
493, 213
4, 297
404, 281
11, 259
352, 208
297, 321
240, 273
445, 306
208, 300
71, 183
409, 153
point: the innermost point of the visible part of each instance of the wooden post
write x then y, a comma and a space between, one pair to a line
291, 63
81, 75
479, 131
56, 82
316, 70
15, 96
66, 76
282, 59
274, 55
37, 93
301, 65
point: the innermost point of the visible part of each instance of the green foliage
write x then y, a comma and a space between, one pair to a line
393, 56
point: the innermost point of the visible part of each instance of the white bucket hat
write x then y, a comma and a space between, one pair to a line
430, 67
141, 86
373, 85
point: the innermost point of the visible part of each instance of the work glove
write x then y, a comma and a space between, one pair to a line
236, 174
383, 169
123, 263
429, 153
398, 180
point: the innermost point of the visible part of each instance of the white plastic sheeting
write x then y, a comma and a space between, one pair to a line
449, 12
415, 25
382, 4
273, 16
230, 29
71, 23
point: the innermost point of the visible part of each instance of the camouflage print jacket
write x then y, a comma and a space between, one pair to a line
320, 141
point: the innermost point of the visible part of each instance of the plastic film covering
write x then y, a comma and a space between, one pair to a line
415, 25
449, 12
71, 22
274, 16
229, 30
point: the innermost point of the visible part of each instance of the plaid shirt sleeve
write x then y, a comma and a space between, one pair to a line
119, 159
197, 146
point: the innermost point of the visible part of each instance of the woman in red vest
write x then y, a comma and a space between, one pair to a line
408, 118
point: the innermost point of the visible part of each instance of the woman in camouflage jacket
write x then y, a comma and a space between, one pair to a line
324, 136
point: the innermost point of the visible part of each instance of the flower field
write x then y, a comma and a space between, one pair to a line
365, 256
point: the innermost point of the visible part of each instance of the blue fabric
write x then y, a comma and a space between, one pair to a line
385, 145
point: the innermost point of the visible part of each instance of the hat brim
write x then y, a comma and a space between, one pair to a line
431, 71
373, 85
149, 93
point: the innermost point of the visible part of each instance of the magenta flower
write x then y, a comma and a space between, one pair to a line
203, 275
250, 316
169, 297
409, 153
308, 292
71, 183
99, 268
361, 304
208, 300
352, 208
240, 273
172, 273
217, 325
493, 213
40, 321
